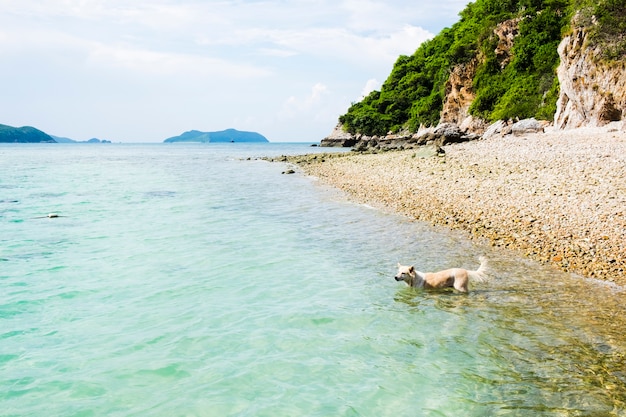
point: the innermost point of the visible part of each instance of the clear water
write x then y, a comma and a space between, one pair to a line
192, 280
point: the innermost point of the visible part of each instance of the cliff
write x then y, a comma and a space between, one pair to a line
593, 91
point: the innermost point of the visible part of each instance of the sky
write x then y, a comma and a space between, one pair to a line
143, 71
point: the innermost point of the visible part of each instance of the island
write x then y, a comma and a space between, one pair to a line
60, 139
223, 136
25, 134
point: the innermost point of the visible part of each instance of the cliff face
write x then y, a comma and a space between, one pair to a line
593, 93
459, 93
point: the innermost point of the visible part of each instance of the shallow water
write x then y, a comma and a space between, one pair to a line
189, 280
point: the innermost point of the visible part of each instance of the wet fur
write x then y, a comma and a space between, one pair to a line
457, 278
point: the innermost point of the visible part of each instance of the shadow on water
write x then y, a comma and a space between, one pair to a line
532, 340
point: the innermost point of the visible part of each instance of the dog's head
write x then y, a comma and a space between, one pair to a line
406, 274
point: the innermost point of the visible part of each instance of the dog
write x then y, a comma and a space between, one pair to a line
458, 278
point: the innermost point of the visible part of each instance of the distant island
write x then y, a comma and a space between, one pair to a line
59, 139
29, 134
224, 136
25, 134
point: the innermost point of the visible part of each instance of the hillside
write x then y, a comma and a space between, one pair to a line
499, 62
26, 134
224, 136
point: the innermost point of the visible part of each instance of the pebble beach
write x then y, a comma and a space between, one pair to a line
557, 197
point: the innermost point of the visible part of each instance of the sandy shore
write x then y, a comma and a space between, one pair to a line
558, 197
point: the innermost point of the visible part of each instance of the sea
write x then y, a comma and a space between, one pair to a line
202, 280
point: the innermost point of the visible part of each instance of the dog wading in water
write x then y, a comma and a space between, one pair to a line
458, 278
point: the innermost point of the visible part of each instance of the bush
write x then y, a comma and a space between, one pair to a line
605, 20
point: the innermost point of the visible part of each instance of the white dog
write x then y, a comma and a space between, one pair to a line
455, 277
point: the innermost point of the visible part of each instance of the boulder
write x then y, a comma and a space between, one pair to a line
527, 126
339, 138
498, 128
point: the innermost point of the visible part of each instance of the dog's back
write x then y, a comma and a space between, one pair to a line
455, 277
446, 278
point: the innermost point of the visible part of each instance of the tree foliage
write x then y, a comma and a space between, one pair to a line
605, 22
414, 92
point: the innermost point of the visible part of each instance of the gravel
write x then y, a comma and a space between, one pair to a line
557, 197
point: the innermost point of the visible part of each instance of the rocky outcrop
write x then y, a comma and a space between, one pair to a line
506, 32
339, 138
593, 92
459, 93
443, 134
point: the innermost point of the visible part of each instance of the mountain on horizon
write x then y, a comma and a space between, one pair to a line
223, 136
60, 139
25, 134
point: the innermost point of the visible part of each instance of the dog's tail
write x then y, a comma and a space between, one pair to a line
482, 273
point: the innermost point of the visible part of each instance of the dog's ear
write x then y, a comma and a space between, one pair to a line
411, 268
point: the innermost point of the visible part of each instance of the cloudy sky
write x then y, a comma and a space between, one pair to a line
145, 70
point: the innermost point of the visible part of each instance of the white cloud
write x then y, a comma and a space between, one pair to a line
226, 60
371, 85
358, 34
294, 105
162, 63
275, 52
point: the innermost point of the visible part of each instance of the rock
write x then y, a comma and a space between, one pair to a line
459, 92
442, 134
506, 32
429, 151
448, 133
338, 143
472, 124
339, 138
526, 126
494, 129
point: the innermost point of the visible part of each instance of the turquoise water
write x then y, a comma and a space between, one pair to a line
196, 280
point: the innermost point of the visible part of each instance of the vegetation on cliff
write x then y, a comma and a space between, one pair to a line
518, 83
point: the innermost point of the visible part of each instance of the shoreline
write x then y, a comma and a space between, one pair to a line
557, 197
